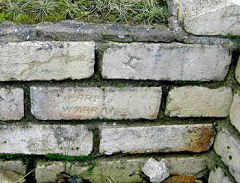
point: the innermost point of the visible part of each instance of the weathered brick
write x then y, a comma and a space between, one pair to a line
218, 176
91, 103
235, 111
227, 145
12, 104
165, 138
120, 169
86, 31
173, 61
47, 171
132, 103
7, 176
46, 60
66, 103
44, 139
215, 17
237, 71
12, 171
13, 165
199, 102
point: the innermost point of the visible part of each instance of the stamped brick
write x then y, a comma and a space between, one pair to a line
199, 102
12, 104
46, 60
175, 61
36, 139
165, 138
90, 103
66, 103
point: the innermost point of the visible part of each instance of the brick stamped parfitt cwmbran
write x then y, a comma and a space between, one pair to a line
90, 103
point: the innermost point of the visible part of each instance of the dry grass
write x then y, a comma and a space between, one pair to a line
118, 11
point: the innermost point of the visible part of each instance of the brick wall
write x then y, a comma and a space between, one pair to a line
100, 99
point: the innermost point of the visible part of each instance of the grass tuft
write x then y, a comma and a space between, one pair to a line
117, 11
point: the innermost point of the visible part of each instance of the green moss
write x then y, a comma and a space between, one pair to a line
120, 85
187, 82
69, 158
216, 165
233, 37
236, 39
11, 156
87, 172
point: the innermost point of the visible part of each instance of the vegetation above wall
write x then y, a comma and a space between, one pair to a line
117, 11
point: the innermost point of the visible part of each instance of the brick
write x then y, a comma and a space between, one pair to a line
132, 103
46, 60
86, 31
227, 145
175, 61
90, 103
237, 71
13, 165
165, 138
120, 169
66, 103
47, 171
199, 102
215, 17
217, 176
234, 111
43, 139
7, 176
12, 104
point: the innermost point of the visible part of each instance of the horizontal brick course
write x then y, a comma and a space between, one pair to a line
12, 103
163, 61
120, 169
43, 139
165, 138
199, 102
90, 103
46, 60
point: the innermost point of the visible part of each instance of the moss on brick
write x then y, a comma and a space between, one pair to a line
12, 156
61, 157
